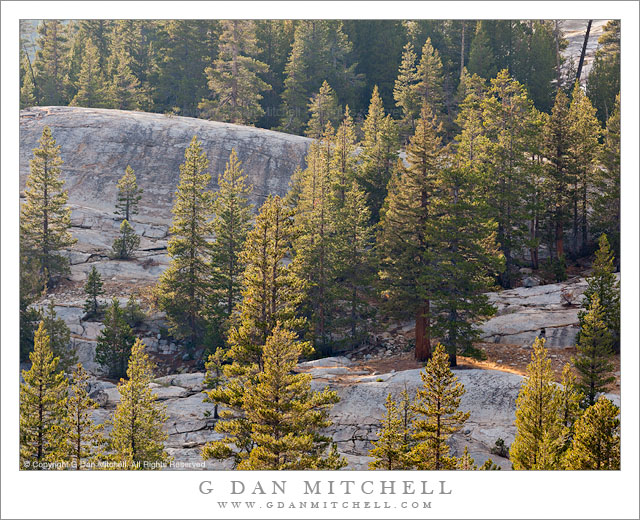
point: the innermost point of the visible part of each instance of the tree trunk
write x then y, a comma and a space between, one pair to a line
462, 49
559, 239
423, 340
584, 50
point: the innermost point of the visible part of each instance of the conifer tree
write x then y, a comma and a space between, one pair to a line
570, 399
285, 430
343, 158
606, 286
129, 195
133, 313
59, 338
114, 342
593, 361
30, 316
49, 68
42, 400
389, 450
83, 437
234, 77
437, 414
585, 132
429, 86
91, 81
214, 377
230, 226
137, 436
603, 83
27, 86
559, 172
378, 154
403, 242
405, 93
466, 462
353, 261
44, 217
481, 58
324, 110
123, 92
464, 256
93, 289
183, 289
539, 439
272, 290
125, 244
596, 444
606, 203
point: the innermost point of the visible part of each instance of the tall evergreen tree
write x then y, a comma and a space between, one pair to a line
481, 58
114, 342
126, 243
42, 400
596, 445
137, 436
593, 361
437, 413
183, 289
606, 203
405, 93
59, 338
91, 88
28, 93
272, 289
285, 430
234, 77
389, 450
603, 83
320, 52
129, 195
570, 402
93, 289
585, 132
403, 241
44, 217
539, 439
464, 256
49, 64
123, 91
605, 285
324, 110
378, 154
83, 437
343, 158
430, 74
30, 290
230, 226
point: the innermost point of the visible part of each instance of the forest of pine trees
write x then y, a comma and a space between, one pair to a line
441, 163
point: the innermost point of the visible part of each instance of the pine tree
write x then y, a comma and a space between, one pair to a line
430, 75
93, 289
125, 244
234, 77
378, 154
137, 437
230, 226
214, 377
59, 338
27, 86
570, 401
83, 437
403, 242
114, 342
129, 195
606, 203
593, 361
389, 449
405, 93
596, 444
557, 143
285, 431
133, 313
91, 82
464, 256
438, 417
353, 262
466, 462
42, 400
30, 287
585, 131
324, 110
44, 217
343, 158
183, 288
603, 83
605, 285
123, 91
539, 420
49, 69
272, 289
481, 58
320, 52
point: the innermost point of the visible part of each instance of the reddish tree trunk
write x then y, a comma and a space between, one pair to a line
423, 340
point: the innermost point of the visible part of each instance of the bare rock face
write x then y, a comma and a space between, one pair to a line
96, 146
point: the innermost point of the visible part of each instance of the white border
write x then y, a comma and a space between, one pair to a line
175, 494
